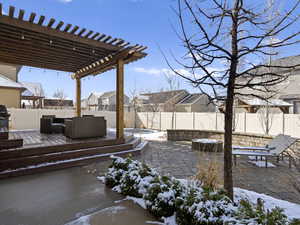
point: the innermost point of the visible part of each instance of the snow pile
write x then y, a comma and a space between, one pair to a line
184, 202
153, 135
260, 163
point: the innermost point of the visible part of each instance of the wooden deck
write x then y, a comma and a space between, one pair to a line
33, 138
44, 152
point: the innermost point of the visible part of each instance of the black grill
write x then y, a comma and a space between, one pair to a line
4, 116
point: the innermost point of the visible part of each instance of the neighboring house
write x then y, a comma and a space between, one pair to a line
33, 95
195, 103
163, 101
52, 103
107, 101
10, 92
255, 105
84, 103
10, 89
10, 71
92, 100
289, 90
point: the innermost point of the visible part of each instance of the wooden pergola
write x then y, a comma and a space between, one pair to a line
42, 43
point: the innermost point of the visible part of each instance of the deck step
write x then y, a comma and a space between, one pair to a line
43, 163
34, 151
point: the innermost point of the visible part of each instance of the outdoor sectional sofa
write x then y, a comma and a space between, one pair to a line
85, 127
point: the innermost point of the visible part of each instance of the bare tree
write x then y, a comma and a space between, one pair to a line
205, 27
173, 84
60, 95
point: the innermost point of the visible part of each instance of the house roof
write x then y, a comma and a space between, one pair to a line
97, 94
108, 94
33, 89
160, 97
290, 96
285, 61
261, 102
190, 99
6, 82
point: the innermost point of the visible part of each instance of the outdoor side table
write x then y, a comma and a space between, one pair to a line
207, 145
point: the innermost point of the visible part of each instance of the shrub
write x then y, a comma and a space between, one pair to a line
248, 212
129, 177
161, 195
195, 202
208, 174
203, 207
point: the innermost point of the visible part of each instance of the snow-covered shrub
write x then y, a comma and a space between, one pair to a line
203, 207
161, 195
191, 201
129, 177
258, 215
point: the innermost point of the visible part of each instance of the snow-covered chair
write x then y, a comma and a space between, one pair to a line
274, 148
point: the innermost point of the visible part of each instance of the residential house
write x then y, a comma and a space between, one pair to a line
52, 103
33, 96
289, 90
254, 105
107, 101
92, 100
195, 103
163, 101
84, 103
10, 92
10, 89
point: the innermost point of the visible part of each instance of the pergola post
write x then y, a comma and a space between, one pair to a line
120, 100
78, 97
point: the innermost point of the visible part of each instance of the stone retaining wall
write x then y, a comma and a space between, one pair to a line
241, 139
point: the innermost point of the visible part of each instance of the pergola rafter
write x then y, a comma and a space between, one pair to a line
62, 46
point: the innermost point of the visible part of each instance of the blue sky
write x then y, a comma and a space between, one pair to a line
146, 22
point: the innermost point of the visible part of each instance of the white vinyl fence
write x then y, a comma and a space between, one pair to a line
244, 122
22, 119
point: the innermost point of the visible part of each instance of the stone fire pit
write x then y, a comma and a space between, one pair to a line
207, 145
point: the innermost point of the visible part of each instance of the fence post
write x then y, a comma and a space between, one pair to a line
147, 120
193, 120
245, 122
216, 120
175, 118
283, 123
159, 120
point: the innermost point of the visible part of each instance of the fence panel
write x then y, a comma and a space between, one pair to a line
142, 118
276, 124
254, 124
166, 120
154, 120
292, 125
205, 121
183, 120
22, 119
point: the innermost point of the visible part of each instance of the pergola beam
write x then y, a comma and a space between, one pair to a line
55, 33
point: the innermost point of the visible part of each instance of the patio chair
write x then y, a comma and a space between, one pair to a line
274, 148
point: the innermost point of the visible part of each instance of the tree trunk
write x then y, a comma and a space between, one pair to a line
228, 181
